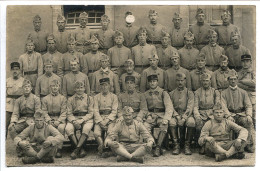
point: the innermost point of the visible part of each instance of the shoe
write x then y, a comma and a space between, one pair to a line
176, 149
100, 150
202, 150
82, 153
19, 152
239, 155
157, 152
187, 150
249, 148
58, 154
107, 154
75, 154
138, 159
121, 159
220, 157
47, 160
30, 160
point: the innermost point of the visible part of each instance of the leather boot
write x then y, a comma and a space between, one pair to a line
58, 154
100, 145
121, 158
182, 136
81, 145
47, 160
73, 141
138, 159
75, 153
30, 160
176, 145
161, 137
220, 157
187, 150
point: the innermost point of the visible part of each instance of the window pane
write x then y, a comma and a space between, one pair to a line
91, 14
77, 14
98, 20
71, 15
99, 14
70, 21
91, 20
77, 20
217, 10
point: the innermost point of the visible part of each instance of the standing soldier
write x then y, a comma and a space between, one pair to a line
160, 111
154, 29
142, 51
82, 34
177, 33
129, 68
170, 74
54, 106
80, 117
224, 31
130, 31
70, 79
212, 51
104, 72
205, 99
31, 63
14, 90
61, 35
183, 101
105, 112
196, 74
118, 54
235, 52
54, 56
43, 82
165, 51
152, 70
105, 35
188, 53
221, 75
132, 98
39, 37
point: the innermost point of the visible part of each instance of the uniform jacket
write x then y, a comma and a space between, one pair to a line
224, 33
61, 41
57, 61
234, 55
137, 80
40, 40
195, 76
164, 56
188, 57
130, 35
212, 54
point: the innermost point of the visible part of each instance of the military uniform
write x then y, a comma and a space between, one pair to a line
130, 33
105, 38
195, 76
164, 55
221, 78
188, 57
68, 56
137, 80
57, 61
177, 37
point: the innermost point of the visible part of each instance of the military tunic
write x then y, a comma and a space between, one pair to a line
177, 37
40, 41
221, 78
195, 76
130, 35
164, 55
154, 33
68, 56
82, 37
188, 57
61, 41
57, 61
137, 80
105, 38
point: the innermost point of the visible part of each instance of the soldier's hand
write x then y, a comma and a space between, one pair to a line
12, 124
178, 117
249, 119
231, 118
149, 119
113, 144
46, 144
211, 140
149, 146
238, 144
119, 119
56, 123
76, 124
181, 122
164, 121
139, 119
24, 145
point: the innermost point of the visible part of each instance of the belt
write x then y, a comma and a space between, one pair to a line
156, 110
154, 42
136, 110
69, 95
212, 65
128, 142
27, 115
238, 110
13, 96
104, 112
54, 114
142, 65
41, 95
91, 71
79, 113
205, 108
180, 111
30, 72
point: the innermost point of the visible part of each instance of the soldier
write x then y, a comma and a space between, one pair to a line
38, 141
71, 54
247, 81
70, 79
177, 33
222, 74
126, 138
31, 63
105, 35
170, 74
239, 107
105, 112
39, 36
129, 68
196, 74
142, 51
205, 99
130, 31
43, 82
212, 51
154, 29
14, 90
224, 31
132, 98
235, 52
24, 109
104, 72
152, 70
54, 106
118, 54
215, 137
188, 53
183, 101
80, 117
164, 51
160, 111
54, 56
82, 34
200, 29
61, 35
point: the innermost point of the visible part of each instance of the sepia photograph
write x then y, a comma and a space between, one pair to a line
130, 85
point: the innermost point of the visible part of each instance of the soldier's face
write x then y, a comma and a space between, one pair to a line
74, 66
30, 47
177, 22
51, 45
181, 82
153, 84
128, 118
175, 61
105, 23
189, 42
71, 46
61, 25
80, 90
206, 83
16, 71
153, 62
224, 64
232, 81
200, 18
55, 88
119, 40
153, 17
104, 63
130, 85
27, 89
39, 122
165, 41
94, 46
235, 40
213, 39
83, 21
201, 63
246, 64
37, 25
129, 69
105, 87
48, 69
225, 18
218, 115
142, 37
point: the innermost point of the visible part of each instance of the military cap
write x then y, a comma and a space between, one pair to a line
180, 75
15, 64
235, 33
142, 29
205, 76
217, 106
38, 114
61, 18
175, 54
201, 56
152, 77
128, 13
128, 109
27, 82
71, 39
105, 18
225, 12
223, 58
37, 18
79, 84
129, 78
212, 32
154, 56
200, 11
104, 80
104, 58
48, 62
189, 34
75, 60
176, 15
118, 33
129, 62
165, 34
246, 57
83, 15
232, 74
55, 82
94, 39
29, 39
152, 11
50, 37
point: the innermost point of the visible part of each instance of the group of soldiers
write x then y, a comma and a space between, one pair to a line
193, 84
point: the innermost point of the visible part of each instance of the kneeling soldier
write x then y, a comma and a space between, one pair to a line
126, 138
215, 136
80, 117
39, 141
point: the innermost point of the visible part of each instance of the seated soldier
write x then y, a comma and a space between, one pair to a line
54, 106
160, 111
105, 112
80, 117
183, 101
38, 141
215, 137
126, 138
133, 99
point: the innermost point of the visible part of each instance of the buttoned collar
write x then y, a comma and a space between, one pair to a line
233, 88
54, 94
79, 97
224, 71
198, 71
155, 91
186, 47
50, 52
129, 25
213, 45
104, 71
130, 92
176, 67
